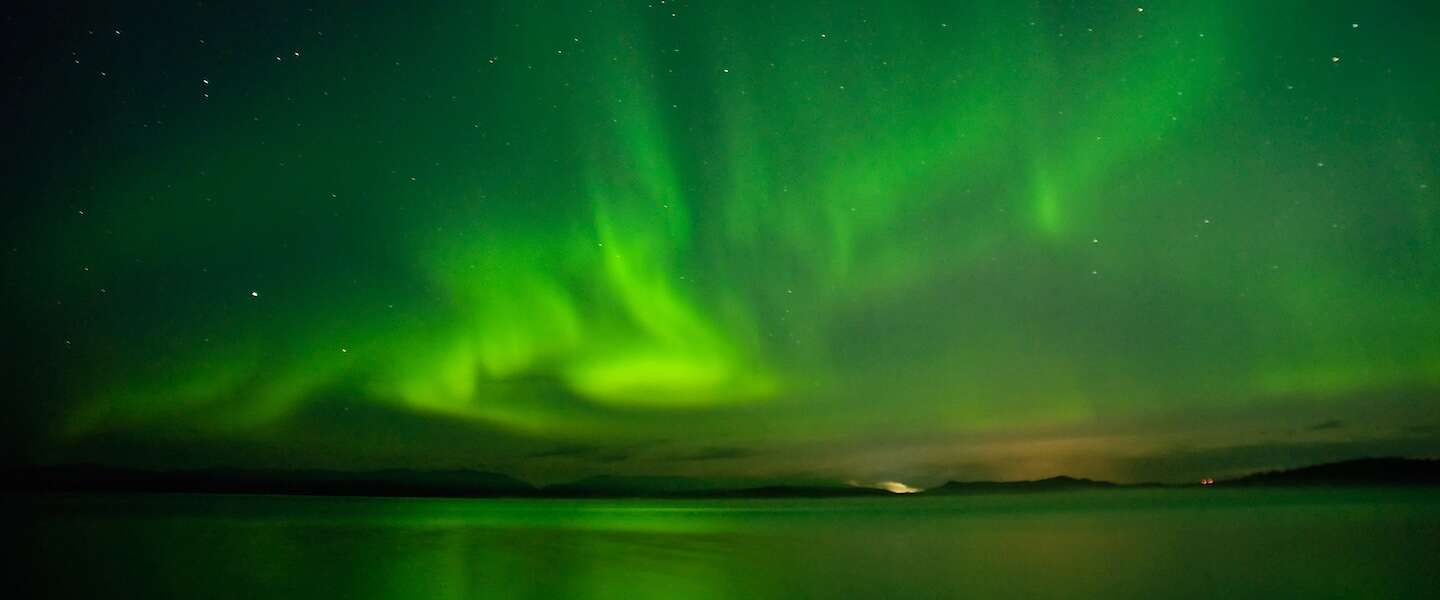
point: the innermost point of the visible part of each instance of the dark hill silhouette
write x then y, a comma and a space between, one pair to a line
607, 486
798, 491
481, 484
1364, 471
396, 482
1052, 484
611, 486
1358, 472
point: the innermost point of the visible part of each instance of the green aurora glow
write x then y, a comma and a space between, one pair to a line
878, 240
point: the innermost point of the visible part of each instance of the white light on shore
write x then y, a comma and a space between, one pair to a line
896, 487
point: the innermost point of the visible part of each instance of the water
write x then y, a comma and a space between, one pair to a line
1123, 544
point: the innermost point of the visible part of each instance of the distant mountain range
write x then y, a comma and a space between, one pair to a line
644, 486
481, 484
607, 486
1359, 472
1053, 484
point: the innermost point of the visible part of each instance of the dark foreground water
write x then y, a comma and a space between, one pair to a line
1128, 544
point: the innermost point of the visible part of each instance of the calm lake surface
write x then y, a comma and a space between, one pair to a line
1117, 544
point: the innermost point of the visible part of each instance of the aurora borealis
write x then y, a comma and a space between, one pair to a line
850, 240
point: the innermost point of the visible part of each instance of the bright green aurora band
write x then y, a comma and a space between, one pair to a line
870, 241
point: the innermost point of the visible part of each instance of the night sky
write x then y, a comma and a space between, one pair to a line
849, 240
